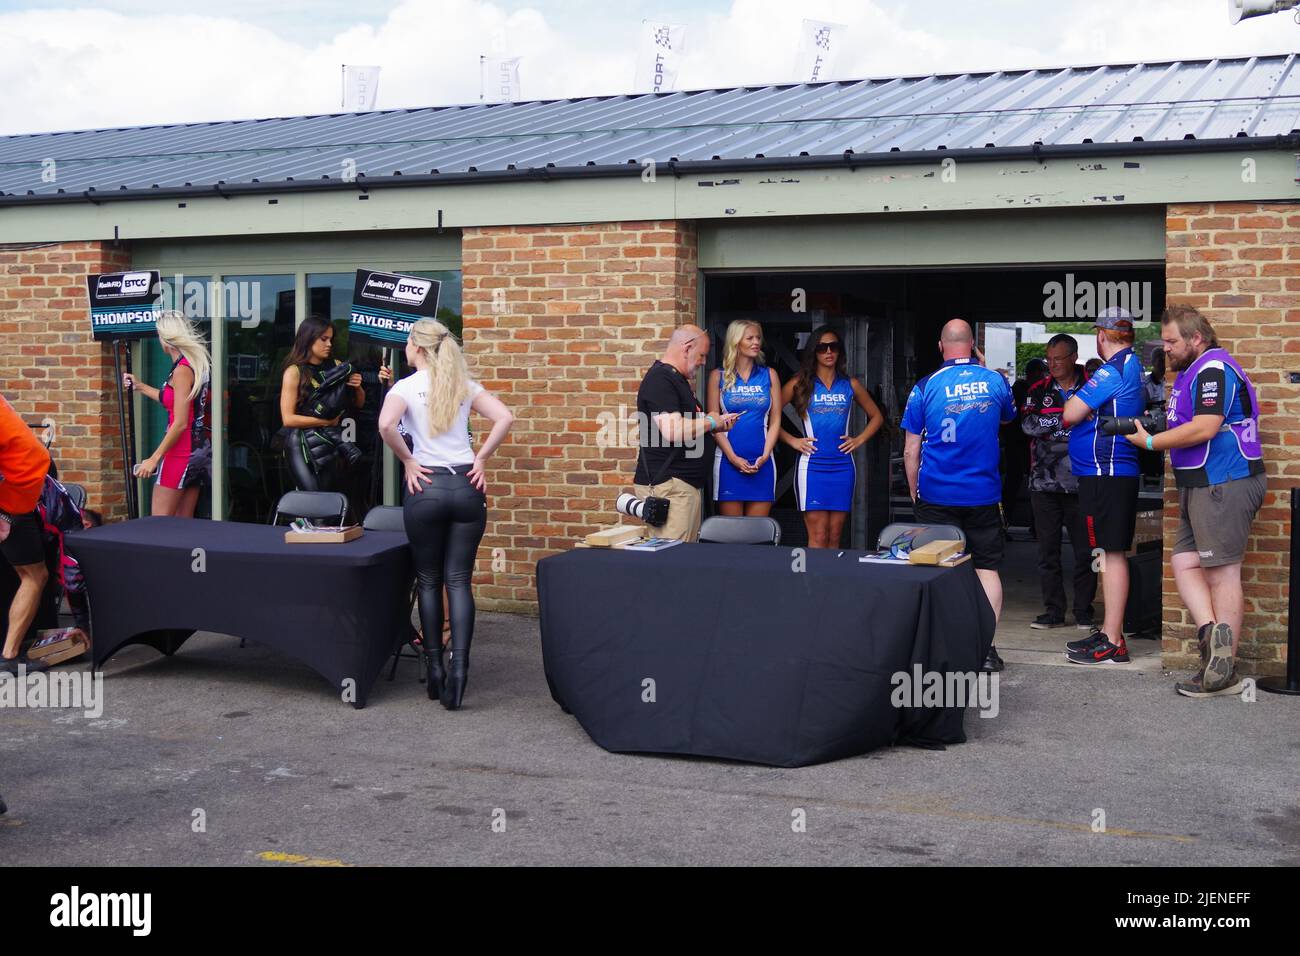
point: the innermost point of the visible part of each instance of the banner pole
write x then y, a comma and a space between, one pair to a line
380, 461
130, 418
121, 417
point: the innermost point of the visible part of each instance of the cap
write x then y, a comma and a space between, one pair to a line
1116, 318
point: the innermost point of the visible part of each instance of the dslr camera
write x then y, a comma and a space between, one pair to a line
653, 511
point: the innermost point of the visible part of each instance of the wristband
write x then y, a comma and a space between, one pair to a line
1151, 440
712, 424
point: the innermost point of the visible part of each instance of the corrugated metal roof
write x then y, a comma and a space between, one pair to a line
1252, 97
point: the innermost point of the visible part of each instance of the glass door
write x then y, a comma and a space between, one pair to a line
258, 337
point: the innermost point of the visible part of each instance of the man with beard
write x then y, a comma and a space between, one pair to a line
1214, 447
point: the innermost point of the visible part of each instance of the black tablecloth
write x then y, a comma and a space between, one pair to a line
752, 660
341, 609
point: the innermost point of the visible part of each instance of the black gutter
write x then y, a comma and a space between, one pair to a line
1036, 152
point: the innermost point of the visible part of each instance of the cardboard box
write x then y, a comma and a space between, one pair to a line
615, 536
331, 536
58, 645
933, 552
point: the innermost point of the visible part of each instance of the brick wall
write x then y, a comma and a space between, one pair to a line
50, 367
1239, 263
561, 322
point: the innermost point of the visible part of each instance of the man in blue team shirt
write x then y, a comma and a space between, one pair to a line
951, 455
1107, 469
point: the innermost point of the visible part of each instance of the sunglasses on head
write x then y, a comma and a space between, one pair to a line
828, 346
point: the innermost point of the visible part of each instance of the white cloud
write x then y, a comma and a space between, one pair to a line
74, 69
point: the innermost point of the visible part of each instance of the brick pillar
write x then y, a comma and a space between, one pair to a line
561, 322
52, 370
1239, 263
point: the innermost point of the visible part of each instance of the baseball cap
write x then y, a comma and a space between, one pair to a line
1116, 318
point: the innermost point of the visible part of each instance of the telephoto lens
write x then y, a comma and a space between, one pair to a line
1109, 425
630, 505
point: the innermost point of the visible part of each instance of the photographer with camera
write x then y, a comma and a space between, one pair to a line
1212, 418
672, 465
1106, 467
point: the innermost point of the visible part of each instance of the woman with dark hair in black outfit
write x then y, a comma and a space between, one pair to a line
315, 392
446, 505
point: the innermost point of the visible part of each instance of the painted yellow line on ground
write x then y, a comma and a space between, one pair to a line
297, 859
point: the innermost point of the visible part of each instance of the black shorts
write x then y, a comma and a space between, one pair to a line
982, 525
1108, 508
25, 544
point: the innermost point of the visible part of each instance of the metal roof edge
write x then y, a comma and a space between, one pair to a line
849, 160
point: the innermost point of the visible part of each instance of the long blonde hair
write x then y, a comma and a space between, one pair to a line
448, 374
179, 333
731, 346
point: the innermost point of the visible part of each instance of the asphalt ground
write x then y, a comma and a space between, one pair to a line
278, 771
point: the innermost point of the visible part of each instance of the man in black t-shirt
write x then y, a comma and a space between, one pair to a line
673, 427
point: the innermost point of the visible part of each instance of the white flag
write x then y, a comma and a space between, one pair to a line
500, 79
659, 57
818, 45
360, 88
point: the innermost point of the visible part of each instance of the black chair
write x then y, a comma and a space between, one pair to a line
927, 533
78, 495
725, 529
312, 505
389, 518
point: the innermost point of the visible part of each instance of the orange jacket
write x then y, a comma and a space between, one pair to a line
24, 463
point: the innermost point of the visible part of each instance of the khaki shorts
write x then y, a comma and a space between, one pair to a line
684, 509
1215, 521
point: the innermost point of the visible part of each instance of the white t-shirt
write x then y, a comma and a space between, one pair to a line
452, 447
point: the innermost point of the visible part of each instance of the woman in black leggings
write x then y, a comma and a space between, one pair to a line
446, 508
316, 391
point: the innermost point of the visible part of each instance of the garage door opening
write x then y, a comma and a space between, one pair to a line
890, 323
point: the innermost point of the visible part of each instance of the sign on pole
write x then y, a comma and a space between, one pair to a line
124, 305
386, 304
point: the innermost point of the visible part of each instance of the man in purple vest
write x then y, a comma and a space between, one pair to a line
1214, 447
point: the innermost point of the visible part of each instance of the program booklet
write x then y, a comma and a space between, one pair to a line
651, 544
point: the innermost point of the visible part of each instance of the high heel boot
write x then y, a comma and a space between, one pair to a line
434, 670
453, 688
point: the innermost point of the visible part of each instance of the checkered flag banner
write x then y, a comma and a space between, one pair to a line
659, 55
819, 42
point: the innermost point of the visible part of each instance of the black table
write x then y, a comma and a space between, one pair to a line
341, 609
750, 659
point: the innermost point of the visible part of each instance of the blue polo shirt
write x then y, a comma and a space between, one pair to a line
1115, 389
957, 410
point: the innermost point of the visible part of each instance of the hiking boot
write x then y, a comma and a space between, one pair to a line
1195, 687
1219, 669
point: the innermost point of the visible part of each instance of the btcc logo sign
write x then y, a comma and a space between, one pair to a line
394, 288
123, 284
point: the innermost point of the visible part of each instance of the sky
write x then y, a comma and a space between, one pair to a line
138, 62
